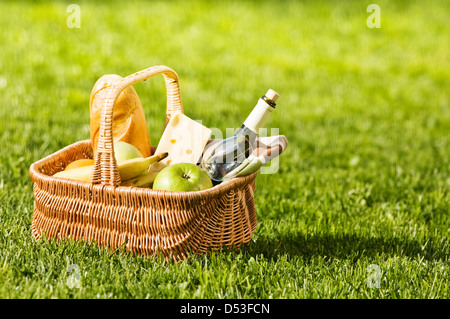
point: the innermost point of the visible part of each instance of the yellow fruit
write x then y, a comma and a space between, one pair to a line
134, 167
80, 163
145, 180
79, 173
125, 151
127, 169
141, 180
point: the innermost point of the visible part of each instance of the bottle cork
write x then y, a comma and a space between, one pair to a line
272, 95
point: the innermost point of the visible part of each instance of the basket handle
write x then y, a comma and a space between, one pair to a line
105, 169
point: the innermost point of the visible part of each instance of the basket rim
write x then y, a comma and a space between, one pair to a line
216, 190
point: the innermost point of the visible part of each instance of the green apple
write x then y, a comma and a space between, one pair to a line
125, 151
182, 177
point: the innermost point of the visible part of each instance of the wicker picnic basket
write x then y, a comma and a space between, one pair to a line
142, 220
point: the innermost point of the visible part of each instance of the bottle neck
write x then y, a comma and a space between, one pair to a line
259, 115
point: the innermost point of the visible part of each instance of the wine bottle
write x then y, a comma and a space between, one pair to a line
223, 159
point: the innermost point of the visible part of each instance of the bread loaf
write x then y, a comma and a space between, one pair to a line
129, 124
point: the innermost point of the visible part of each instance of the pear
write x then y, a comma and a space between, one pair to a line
124, 151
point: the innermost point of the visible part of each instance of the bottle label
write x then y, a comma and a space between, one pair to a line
258, 116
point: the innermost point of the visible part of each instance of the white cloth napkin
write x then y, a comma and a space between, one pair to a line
267, 148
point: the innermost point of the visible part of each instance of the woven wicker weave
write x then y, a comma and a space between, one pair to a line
143, 220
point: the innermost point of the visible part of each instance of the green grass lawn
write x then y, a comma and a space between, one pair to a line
361, 194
